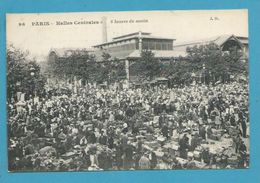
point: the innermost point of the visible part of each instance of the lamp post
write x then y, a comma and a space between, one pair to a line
211, 76
193, 76
204, 72
18, 90
32, 73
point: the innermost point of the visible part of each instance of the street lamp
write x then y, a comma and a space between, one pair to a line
18, 88
193, 77
204, 67
32, 73
204, 72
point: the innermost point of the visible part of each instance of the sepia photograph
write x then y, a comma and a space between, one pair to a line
133, 90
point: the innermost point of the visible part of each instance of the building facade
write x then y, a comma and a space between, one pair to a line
129, 46
224, 42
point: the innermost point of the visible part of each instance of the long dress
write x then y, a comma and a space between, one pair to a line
144, 163
217, 120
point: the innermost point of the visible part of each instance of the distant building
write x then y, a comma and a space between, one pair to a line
244, 41
225, 43
129, 46
66, 52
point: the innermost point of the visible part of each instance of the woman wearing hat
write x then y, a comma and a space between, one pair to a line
144, 162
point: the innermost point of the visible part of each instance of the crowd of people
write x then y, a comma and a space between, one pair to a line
199, 126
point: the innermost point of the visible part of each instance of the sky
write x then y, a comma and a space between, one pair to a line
23, 32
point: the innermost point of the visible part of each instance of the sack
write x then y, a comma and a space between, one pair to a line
159, 154
149, 137
190, 154
197, 154
161, 139
232, 160
152, 144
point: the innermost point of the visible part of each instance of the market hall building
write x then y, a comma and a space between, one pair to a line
128, 48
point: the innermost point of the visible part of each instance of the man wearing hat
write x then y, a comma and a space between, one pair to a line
243, 124
92, 137
165, 131
103, 138
242, 154
202, 132
184, 145
125, 128
128, 157
153, 159
194, 141
119, 154
110, 141
205, 155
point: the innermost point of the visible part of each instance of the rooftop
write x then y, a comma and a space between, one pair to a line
132, 34
66, 52
135, 35
219, 40
163, 54
160, 54
243, 39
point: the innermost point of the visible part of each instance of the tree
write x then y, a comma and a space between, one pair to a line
112, 68
217, 64
147, 66
84, 66
23, 74
78, 63
180, 71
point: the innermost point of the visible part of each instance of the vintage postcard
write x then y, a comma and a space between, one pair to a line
141, 90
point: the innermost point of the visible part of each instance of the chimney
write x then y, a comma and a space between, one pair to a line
140, 41
104, 29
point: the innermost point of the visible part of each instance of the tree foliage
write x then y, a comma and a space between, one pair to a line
147, 66
84, 66
209, 62
19, 73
